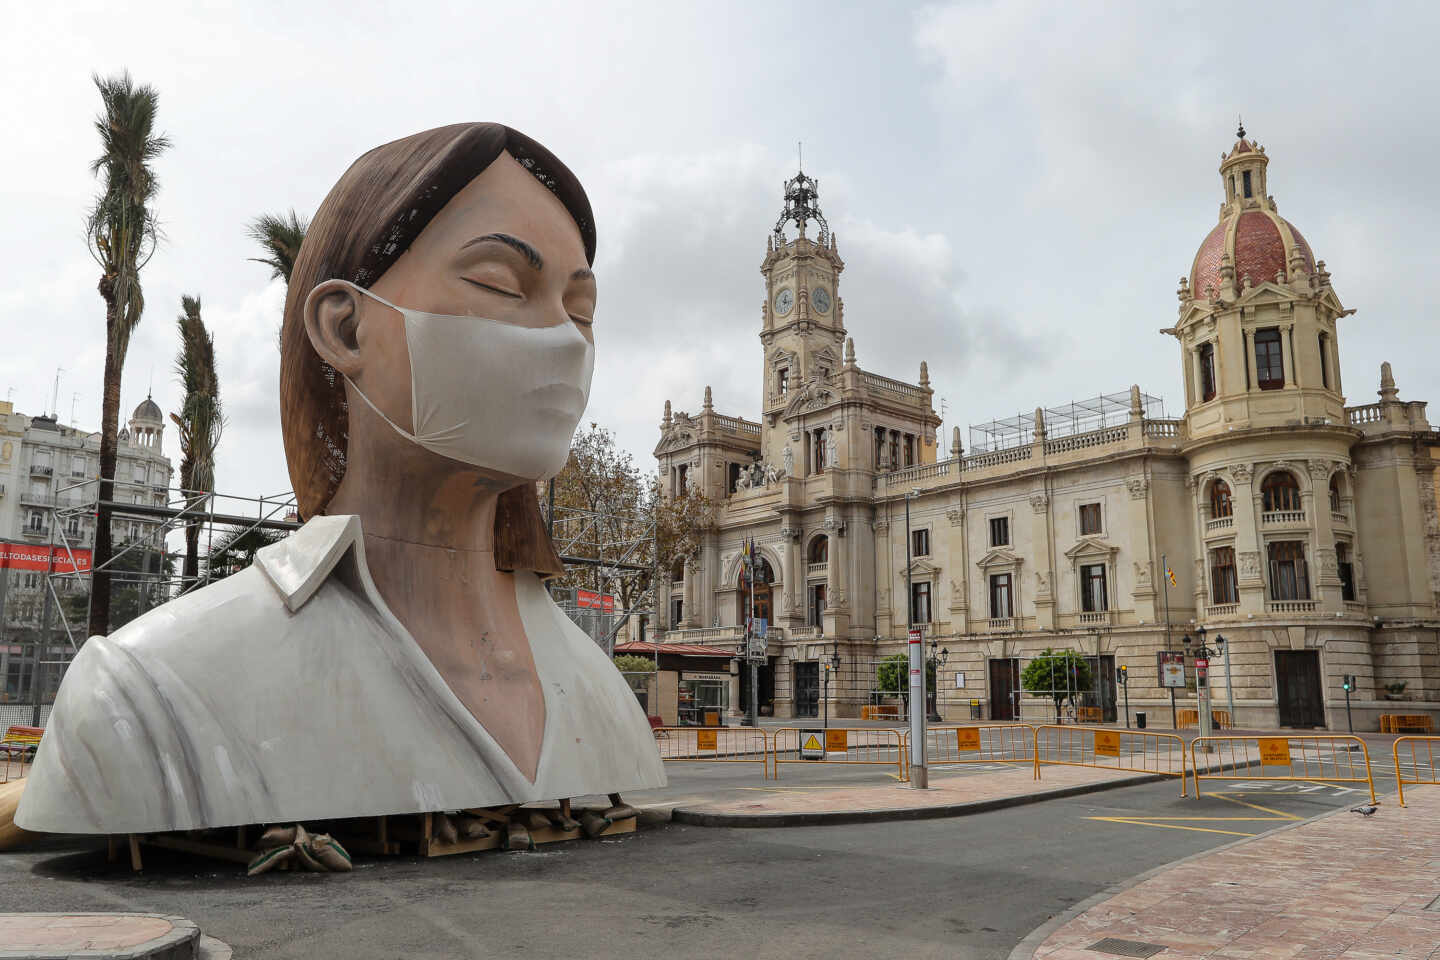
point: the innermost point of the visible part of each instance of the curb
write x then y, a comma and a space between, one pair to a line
700, 817
180, 942
1025, 949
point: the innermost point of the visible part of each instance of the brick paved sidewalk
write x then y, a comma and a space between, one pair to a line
1342, 887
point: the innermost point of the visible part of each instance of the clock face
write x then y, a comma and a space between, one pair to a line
820, 297
784, 300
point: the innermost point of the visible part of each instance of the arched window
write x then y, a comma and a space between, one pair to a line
1335, 504
1280, 491
819, 550
677, 571
1220, 505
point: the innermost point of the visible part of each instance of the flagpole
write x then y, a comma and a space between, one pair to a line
1174, 721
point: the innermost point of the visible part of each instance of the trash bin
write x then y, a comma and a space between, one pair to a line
1140, 720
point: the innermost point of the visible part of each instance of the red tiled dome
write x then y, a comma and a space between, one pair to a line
1258, 242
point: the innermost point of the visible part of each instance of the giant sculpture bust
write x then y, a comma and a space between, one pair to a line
399, 652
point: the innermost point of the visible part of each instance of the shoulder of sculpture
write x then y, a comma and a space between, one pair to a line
298, 565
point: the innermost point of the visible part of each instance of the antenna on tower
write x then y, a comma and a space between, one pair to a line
1239, 126
55, 397
74, 398
799, 155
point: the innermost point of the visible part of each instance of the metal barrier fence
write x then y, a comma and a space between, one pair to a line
1319, 759
879, 746
716, 745
986, 743
1430, 758
1110, 749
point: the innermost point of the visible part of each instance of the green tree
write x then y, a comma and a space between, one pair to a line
892, 673
235, 550
199, 421
633, 663
122, 233
280, 237
1057, 674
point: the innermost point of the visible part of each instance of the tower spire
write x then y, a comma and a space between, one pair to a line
1240, 127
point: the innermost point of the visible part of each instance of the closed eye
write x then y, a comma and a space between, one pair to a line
500, 290
585, 321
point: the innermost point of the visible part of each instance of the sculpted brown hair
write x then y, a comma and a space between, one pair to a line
370, 217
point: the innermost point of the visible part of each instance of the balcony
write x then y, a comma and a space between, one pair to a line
35, 533
1283, 518
816, 569
37, 499
1095, 618
41, 470
1290, 606
1222, 609
1219, 523
1000, 624
1340, 519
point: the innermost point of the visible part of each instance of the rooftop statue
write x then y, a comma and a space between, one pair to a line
399, 652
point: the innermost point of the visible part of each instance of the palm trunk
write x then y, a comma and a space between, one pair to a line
191, 575
109, 449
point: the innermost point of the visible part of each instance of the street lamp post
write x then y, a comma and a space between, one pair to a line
1202, 683
919, 775
932, 665
829, 666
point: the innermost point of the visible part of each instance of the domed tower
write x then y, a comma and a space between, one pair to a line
147, 425
1257, 314
1267, 440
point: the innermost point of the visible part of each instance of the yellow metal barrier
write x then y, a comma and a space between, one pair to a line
715, 745
985, 743
879, 746
1430, 757
1319, 759
1107, 748
1191, 718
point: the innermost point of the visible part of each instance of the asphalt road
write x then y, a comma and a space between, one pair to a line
966, 887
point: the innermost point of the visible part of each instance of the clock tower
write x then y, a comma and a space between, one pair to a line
803, 329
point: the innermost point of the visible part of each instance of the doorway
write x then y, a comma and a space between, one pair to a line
1297, 688
807, 689
1004, 688
1102, 692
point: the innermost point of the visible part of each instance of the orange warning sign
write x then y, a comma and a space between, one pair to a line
705, 739
1107, 743
1274, 752
967, 738
836, 741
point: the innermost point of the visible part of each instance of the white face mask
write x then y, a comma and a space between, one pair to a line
493, 394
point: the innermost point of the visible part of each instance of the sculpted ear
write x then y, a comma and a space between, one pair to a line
332, 315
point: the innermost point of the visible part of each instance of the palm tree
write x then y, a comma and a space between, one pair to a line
235, 550
199, 422
281, 237
122, 233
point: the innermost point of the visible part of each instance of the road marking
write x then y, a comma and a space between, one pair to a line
1176, 823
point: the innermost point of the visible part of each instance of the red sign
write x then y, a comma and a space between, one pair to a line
595, 601
24, 556
1201, 664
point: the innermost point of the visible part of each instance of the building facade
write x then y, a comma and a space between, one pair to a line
48, 484
1301, 530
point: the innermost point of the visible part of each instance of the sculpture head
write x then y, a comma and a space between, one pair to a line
443, 300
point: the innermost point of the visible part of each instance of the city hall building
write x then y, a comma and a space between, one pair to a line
1301, 530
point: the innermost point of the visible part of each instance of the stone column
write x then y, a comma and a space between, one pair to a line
1248, 561
1138, 549
736, 666
1044, 564
1287, 346
1325, 584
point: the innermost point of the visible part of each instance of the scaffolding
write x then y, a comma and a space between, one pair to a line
617, 551
1078, 416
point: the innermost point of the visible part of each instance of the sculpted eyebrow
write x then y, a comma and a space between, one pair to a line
529, 252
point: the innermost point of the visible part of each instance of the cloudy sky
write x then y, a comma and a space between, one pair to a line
1016, 187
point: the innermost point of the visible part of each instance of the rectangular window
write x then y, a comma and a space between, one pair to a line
1093, 598
782, 381
1289, 579
909, 449
733, 477
818, 445
920, 602
999, 531
1089, 518
680, 484
816, 617
1223, 586
894, 450
880, 463
1000, 596
1347, 572
1207, 372
1324, 365
37, 520
77, 467
920, 543
1269, 362
1246, 179
677, 611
